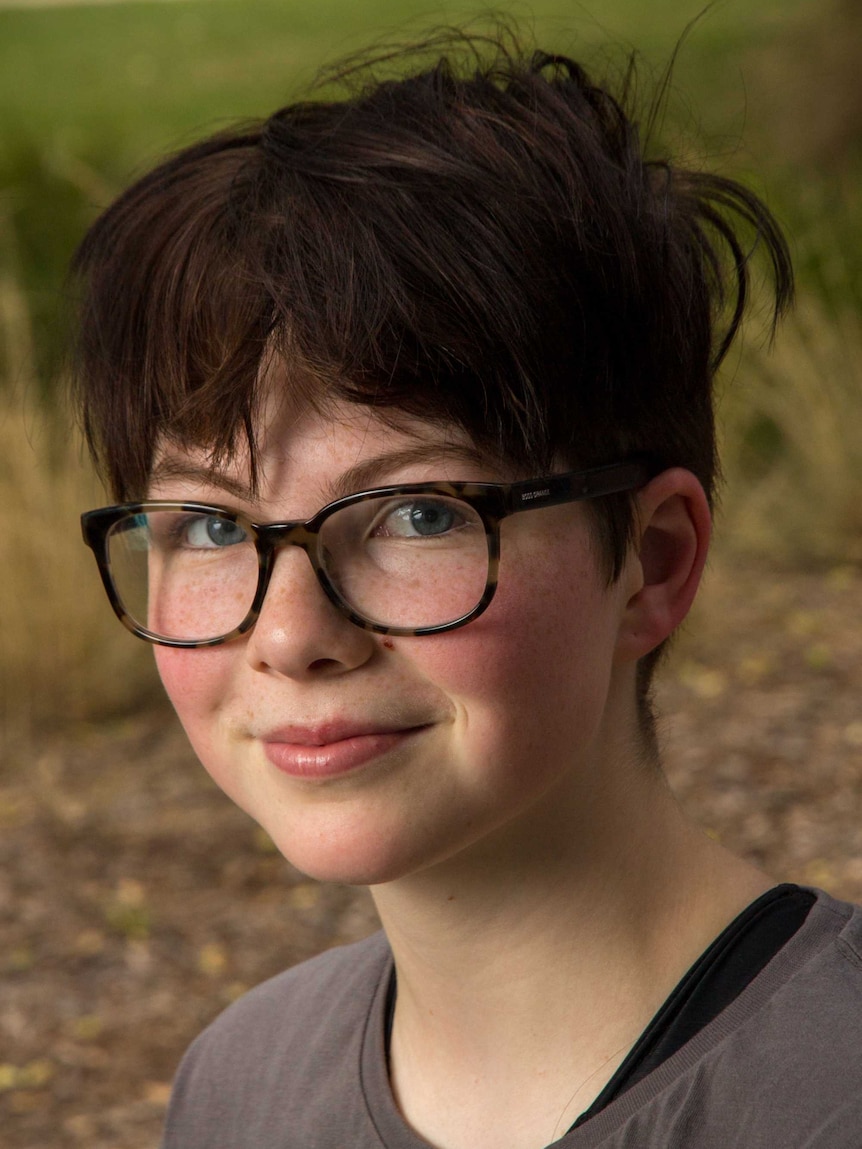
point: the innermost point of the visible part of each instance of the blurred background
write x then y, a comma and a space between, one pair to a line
134, 902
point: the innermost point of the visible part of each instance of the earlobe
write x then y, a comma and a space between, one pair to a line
674, 525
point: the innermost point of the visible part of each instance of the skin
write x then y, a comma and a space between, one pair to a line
541, 891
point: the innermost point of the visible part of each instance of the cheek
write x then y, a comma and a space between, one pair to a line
199, 684
196, 681
533, 672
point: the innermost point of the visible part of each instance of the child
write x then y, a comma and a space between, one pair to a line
453, 337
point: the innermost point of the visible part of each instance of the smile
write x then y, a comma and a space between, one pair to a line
325, 756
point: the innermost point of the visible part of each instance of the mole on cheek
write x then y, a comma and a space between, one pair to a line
389, 644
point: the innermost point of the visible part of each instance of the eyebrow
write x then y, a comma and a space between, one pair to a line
370, 472
362, 476
170, 467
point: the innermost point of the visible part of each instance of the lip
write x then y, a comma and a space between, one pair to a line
332, 749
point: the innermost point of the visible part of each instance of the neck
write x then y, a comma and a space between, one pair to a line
531, 967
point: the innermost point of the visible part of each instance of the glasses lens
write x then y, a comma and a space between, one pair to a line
407, 560
183, 575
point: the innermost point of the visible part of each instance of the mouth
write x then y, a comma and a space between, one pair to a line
332, 750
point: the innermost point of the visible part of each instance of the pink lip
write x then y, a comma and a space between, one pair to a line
332, 749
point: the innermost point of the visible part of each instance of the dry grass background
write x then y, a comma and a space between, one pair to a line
62, 655
796, 499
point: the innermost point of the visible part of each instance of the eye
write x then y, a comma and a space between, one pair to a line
211, 531
420, 518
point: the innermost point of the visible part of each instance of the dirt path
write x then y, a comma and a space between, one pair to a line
135, 902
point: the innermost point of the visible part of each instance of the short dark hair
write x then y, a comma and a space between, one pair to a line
481, 241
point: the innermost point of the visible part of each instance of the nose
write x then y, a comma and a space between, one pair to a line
300, 633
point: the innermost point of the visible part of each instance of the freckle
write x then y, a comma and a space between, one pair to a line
451, 898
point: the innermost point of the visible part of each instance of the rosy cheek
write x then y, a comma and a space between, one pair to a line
198, 683
194, 680
498, 649
537, 661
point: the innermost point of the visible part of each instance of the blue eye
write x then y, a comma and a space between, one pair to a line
423, 519
210, 531
431, 519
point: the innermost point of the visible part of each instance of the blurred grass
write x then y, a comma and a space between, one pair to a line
791, 427
91, 95
63, 658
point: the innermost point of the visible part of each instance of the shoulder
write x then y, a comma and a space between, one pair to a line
779, 1068
293, 1042
791, 1074
322, 989
818, 974
791, 1046
789, 1070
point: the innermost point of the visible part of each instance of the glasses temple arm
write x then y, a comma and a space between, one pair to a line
554, 489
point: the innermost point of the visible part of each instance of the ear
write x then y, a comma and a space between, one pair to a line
667, 562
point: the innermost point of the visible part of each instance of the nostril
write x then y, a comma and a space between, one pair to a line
322, 664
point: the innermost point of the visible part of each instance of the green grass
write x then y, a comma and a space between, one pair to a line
92, 95
125, 81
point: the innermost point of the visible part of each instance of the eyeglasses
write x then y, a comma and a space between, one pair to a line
413, 559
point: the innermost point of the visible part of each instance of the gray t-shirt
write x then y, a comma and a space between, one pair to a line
300, 1063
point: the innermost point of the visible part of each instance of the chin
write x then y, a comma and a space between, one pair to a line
368, 861
366, 852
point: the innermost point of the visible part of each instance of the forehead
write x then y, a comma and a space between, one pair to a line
333, 451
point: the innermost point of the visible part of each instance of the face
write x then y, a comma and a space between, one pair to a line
368, 758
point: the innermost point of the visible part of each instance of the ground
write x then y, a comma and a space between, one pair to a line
135, 901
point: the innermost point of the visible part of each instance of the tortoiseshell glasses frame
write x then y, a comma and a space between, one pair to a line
492, 502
